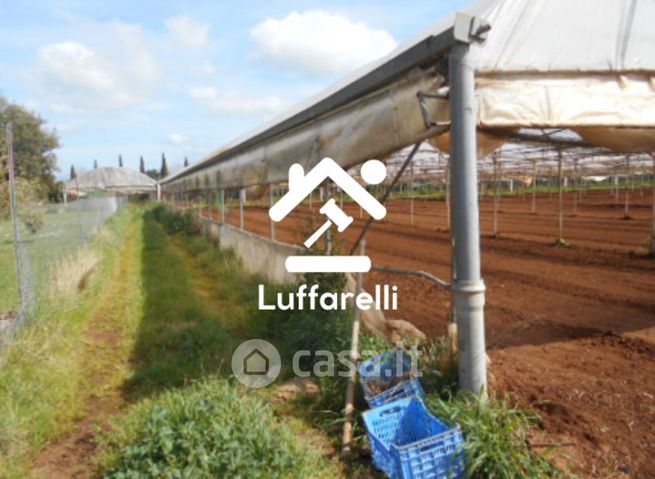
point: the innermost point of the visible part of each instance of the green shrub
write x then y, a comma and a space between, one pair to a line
33, 221
176, 222
207, 430
496, 437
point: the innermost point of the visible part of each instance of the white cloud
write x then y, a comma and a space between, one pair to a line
318, 42
118, 72
177, 138
233, 103
187, 31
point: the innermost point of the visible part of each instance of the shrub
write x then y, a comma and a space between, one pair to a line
496, 437
33, 221
207, 430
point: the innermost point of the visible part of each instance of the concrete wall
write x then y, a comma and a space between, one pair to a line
258, 254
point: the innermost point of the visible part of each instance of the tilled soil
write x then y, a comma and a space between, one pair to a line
570, 331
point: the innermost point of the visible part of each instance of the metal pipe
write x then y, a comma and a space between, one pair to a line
411, 193
222, 206
241, 195
468, 288
419, 274
652, 238
534, 187
560, 192
447, 178
270, 205
385, 196
494, 158
354, 357
626, 214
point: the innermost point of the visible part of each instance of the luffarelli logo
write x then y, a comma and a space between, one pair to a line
385, 297
301, 185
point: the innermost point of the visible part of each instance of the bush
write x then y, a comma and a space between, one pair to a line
175, 222
33, 221
496, 437
207, 430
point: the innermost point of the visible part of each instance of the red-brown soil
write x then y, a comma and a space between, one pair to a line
570, 331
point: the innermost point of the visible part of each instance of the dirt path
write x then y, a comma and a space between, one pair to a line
107, 351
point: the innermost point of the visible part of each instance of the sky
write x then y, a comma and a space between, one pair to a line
142, 78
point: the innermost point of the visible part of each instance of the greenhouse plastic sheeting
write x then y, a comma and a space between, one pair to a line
588, 65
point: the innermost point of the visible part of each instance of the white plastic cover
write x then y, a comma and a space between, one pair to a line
121, 180
587, 65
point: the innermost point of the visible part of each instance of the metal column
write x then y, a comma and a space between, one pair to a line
468, 288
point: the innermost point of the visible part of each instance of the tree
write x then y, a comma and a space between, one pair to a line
95, 164
163, 172
142, 165
120, 161
34, 145
153, 173
73, 173
186, 162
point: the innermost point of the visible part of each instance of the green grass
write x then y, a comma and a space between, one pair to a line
59, 238
42, 380
496, 435
207, 430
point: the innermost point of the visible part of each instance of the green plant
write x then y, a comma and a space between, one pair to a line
496, 437
33, 221
207, 430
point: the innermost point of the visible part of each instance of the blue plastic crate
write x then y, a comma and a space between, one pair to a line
407, 442
406, 389
387, 377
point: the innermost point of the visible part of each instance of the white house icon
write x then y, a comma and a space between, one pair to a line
301, 185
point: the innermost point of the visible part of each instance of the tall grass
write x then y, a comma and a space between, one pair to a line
41, 378
496, 434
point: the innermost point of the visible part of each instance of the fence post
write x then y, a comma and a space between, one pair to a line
14, 220
534, 187
354, 358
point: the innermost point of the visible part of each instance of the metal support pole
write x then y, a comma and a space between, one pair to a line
626, 215
447, 179
328, 234
270, 205
468, 288
534, 187
496, 195
652, 238
241, 195
354, 358
411, 192
560, 191
223, 207
576, 185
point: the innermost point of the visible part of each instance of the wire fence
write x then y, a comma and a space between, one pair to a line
37, 236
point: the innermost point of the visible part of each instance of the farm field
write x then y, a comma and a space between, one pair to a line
570, 331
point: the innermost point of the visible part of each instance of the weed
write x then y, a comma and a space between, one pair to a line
170, 438
496, 437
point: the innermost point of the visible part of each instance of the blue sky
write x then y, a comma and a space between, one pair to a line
184, 78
